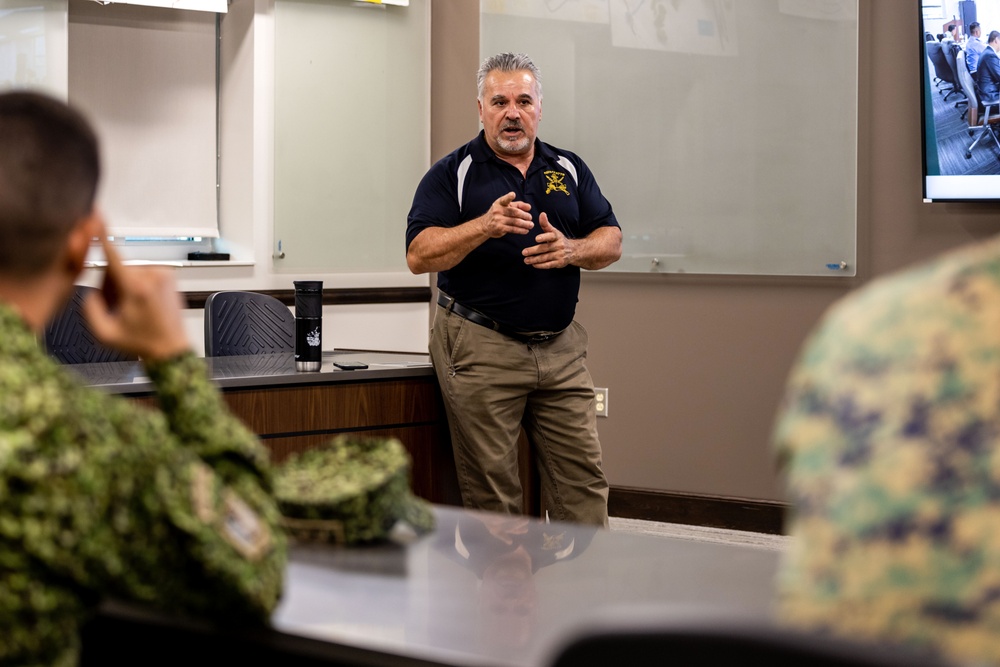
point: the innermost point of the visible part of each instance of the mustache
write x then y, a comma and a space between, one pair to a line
515, 125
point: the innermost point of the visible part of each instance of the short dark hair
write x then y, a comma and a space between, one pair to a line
974, 26
49, 169
994, 35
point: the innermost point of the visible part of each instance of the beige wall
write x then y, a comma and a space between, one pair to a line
696, 366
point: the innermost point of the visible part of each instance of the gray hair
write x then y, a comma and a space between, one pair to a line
507, 62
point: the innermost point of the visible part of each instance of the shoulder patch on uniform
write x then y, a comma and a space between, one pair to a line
243, 528
228, 514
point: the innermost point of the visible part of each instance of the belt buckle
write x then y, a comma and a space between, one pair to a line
541, 338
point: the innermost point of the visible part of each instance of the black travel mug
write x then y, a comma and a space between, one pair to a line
308, 325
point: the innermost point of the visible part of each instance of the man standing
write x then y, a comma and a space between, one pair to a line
100, 496
508, 221
988, 72
974, 46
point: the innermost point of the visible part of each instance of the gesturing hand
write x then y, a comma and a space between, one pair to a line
146, 316
552, 250
507, 216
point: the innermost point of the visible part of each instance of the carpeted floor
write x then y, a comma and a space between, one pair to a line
702, 533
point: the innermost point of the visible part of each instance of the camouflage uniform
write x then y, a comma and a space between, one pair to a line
891, 436
99, 496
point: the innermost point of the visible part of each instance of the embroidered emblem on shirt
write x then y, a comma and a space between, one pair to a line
556, 182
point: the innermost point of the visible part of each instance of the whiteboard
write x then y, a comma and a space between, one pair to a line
723, 132
352, 132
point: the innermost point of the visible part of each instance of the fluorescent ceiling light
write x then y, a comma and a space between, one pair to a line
201, 5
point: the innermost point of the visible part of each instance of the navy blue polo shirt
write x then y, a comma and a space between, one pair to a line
493, 278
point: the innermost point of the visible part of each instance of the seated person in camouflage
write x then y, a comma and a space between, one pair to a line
98, 496
890, 433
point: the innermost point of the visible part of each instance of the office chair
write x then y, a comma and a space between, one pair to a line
238, 323
725, 644
968, 86
975, 108
68, 338
951, 55
943, 71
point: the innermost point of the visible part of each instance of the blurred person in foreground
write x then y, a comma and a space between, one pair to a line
100, 497
890, 438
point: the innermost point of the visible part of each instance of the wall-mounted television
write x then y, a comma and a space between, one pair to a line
961, 159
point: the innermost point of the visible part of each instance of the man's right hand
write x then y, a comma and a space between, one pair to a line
146, 316
507, 216
441, 248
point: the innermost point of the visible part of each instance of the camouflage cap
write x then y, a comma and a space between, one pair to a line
351, 490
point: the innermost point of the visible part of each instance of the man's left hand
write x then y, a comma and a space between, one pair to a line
552, 250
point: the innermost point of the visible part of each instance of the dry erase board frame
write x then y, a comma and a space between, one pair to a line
724, 133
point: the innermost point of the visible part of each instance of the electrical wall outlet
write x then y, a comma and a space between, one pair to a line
601, 400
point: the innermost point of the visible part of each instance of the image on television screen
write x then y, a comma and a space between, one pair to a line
961, 99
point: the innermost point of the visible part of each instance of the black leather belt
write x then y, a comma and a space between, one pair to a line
474, 316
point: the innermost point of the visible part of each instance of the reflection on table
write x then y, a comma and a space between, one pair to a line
486, 589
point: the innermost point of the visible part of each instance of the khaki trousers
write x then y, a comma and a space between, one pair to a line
491, 385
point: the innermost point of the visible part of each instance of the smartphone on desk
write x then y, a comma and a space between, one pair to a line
350, 365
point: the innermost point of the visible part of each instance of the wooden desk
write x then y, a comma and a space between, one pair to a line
397, 395
459, 596
291, 411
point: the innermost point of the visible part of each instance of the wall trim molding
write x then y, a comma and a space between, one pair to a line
759, 516
336, 297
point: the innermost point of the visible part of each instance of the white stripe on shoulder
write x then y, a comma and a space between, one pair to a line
568, 166
463, 169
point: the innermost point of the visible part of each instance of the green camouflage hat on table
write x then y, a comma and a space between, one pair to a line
352, 490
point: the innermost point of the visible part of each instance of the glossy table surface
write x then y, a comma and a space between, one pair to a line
481, 589
128, 377
490, 590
